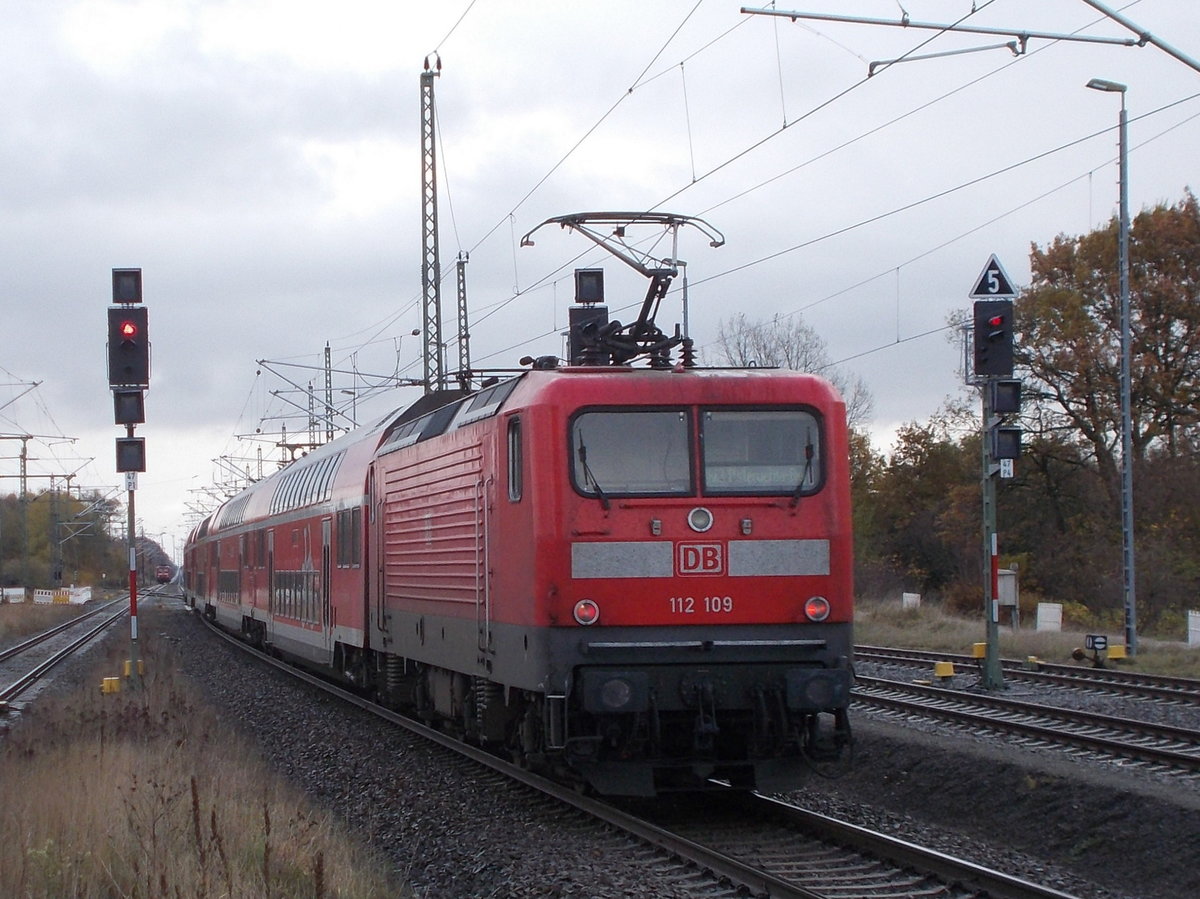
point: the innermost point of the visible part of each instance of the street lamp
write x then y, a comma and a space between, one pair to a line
1127, 567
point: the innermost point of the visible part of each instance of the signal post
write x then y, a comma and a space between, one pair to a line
1001, 443
128, 377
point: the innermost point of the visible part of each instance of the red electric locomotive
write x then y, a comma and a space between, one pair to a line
640, 576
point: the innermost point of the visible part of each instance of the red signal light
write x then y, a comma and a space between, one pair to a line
128, 329
996, 321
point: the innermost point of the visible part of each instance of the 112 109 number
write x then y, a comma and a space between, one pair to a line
686, 605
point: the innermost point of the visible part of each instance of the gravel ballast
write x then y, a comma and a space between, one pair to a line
1090, 828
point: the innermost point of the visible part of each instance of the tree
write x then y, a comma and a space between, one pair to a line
1068, 347
1068, 322
926, 489
787, 342
53, 536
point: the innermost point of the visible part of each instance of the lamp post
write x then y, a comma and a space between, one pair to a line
1127, 565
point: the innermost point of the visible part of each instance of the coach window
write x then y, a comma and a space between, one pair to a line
764, 451
514, 460
349, 537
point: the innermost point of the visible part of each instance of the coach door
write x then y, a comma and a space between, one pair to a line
271, 605
374, 543
483, 576
326, 623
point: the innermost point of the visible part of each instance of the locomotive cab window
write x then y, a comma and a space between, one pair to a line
631, 453
514, 460
764, 451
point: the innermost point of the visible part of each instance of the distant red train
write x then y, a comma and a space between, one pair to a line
641, 576
163, 574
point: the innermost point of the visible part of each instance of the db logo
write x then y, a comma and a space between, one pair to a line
700, 558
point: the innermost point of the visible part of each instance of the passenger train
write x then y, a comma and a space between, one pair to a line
636, 577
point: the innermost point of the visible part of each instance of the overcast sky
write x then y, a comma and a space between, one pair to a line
260, 161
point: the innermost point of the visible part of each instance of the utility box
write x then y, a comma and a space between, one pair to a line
1010, 595
1049, 616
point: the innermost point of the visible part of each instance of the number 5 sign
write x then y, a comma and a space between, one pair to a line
993, 282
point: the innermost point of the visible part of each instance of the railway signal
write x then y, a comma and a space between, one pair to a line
1004, 438
127, 285
129, 407
129, 376
1006, 396
128, 347
131, 454
993, 338
1001, 444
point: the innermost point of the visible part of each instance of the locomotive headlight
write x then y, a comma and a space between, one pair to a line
616, 693
816, 691
816, 608
700, 519
587, 612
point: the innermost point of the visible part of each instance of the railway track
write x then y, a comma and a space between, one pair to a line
745, 844
1163, 688
828, 857
1172, 748
23, 664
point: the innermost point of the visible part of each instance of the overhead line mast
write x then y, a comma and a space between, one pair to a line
464, 334
431, 268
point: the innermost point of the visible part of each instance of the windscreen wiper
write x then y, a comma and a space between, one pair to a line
587, 470
809, 451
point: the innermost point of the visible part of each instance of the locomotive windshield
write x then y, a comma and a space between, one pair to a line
632, 452
635, 452
760, 451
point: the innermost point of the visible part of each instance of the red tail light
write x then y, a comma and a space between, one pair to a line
587, 612
816, 608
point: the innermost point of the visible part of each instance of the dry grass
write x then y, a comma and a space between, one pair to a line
23, 619
928, 627
142, 794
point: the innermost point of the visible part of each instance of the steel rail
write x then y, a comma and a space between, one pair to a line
996, 713
21, 684
904, 854
33, 641
1138, 683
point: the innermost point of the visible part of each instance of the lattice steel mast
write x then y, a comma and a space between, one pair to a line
431, 270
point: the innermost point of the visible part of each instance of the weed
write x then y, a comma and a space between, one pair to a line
108, 796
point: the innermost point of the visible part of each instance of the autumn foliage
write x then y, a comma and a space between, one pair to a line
918, 507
